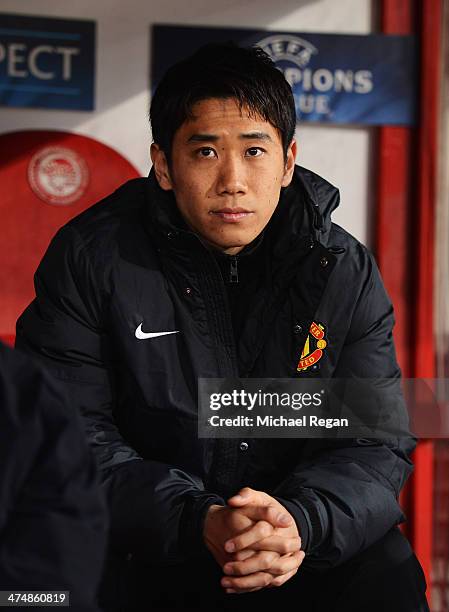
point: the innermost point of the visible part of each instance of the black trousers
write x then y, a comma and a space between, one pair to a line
386, 577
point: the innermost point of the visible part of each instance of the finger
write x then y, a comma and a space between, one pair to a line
244, 590
271, 513
264, 560
258, 579
280, 580
259, 531
248, 495
238, 591
285, 564
280, 544
243, 554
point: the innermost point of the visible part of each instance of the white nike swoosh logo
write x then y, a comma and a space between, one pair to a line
141, 335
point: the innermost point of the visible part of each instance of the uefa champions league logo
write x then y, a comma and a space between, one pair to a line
313, 88
292, 49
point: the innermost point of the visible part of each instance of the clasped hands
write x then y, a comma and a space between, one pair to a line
255, 541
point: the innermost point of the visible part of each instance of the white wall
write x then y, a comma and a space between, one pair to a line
341, 154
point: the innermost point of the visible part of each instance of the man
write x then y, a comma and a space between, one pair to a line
53, 519
217, 266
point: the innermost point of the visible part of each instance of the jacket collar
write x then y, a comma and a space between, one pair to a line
303, 213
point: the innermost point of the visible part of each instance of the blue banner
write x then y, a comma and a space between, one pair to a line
47, 63
335, 78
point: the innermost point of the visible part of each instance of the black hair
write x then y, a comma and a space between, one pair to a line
223, 71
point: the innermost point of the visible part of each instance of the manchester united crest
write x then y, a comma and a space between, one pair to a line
313, 348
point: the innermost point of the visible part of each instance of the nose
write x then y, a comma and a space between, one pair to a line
231, 179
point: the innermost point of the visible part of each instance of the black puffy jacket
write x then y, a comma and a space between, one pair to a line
53, 519
130, 260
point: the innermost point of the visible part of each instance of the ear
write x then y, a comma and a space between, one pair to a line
161, 167
289, 164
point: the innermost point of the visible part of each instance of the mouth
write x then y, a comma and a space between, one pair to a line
231, 215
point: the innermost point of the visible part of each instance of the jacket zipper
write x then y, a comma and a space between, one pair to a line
212, 282
225, 467
233, 270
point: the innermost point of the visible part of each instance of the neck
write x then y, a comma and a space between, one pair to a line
224, 251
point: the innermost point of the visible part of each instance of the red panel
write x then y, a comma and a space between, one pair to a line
392, 232
398, 16
422, 499
394, 195
424, 353
393, 215
47, 178
405, 238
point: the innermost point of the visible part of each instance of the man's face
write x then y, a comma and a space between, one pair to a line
226, 173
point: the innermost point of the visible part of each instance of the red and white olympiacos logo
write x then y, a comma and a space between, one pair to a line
58, 175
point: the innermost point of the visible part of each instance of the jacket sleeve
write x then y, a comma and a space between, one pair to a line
344, 493
149, 501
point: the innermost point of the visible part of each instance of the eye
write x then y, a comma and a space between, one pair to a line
206, 152
255, 152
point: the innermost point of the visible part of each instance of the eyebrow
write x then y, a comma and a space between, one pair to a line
244, 136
